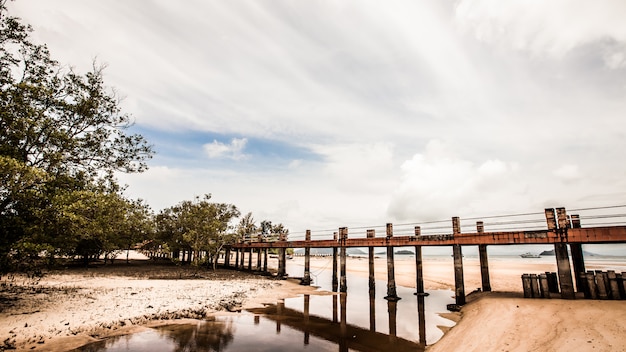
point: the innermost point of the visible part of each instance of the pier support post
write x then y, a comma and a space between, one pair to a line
335, 266
343, 321
282, 261
305, 312
227, 258
419, 272
237, 258
391, 277
579, 265
250, 251
459, 283
343, 283
578, 258
421, 318
265, 250
258, 259
370, 253
392, 309
484, 261
372, 294
306, 280
564, 270
560, 250
242, 265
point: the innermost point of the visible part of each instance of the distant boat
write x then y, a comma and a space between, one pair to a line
529, 255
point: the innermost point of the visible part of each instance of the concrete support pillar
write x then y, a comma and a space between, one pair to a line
459, 282
370, 253
343, 283
343, 322
305, 312
335, 266
560, 250
243, 259
484, 262
392, 309
564, 271
391, 277
579, 265
259, 258
250, 259
306, 280
237, 258
282, 262
421, 318
372, 294
578, 258
419, 272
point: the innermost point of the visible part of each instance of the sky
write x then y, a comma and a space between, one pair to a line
323, 114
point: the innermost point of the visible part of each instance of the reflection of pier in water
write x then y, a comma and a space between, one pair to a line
337, 330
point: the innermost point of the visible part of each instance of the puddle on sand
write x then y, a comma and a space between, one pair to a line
308, 323
359, 320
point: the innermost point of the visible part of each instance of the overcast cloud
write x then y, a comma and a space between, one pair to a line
322, 114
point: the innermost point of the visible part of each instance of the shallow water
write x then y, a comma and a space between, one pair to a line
359, 320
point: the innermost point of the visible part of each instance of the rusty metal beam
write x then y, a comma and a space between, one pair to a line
612, 234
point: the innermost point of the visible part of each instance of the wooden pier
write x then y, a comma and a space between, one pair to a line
561, 231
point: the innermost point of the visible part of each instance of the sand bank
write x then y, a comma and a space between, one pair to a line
69, 308
504, 320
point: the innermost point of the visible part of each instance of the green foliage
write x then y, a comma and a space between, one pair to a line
63, 136
198, 225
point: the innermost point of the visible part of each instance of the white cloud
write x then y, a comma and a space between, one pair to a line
364, 85
545, 28
436, 184
365, 167
234, 150
568, 173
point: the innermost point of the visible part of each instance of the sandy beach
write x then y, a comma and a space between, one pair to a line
505, 321
68, 308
